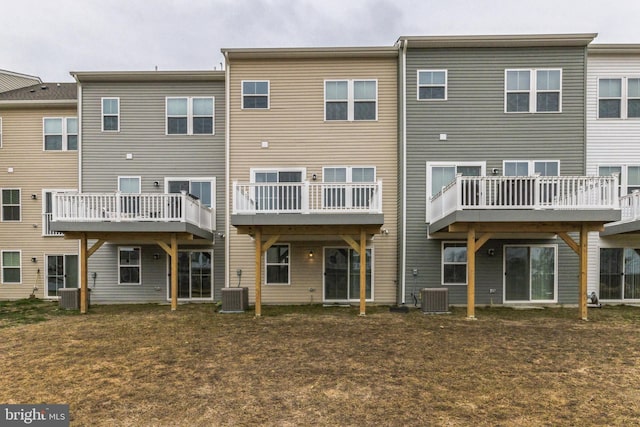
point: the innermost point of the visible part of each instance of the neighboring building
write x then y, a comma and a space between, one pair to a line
312, 139
10, 80
152, 177
492, 169
613, 147
38, 156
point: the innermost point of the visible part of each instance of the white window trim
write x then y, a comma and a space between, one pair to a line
65, 134
46, 269
351, 101
268, 95
102, 114
530, 165
288, 264
2, 266
555, 275
624, 97
139, 178
623, 185
2, 205
192, 179
533, 91
373, 276
139, 265
442, 263
431, 165
349, 170
303, 172
446, 85
190, 115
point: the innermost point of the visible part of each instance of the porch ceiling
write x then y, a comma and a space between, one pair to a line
519, 221
301, 220
309, 230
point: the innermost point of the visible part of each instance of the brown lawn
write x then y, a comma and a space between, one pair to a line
144, 365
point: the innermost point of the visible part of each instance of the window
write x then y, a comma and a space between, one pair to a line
432, 84
619, 98
277, 262
62, 272
338, 196
110, 114
60, 134
533, 90
628, 177
350, 100
202, 188
255, 95
531, 167
285, 195
11, 267
190, 116
530, 273
129, 265
439, 175
619, 273
129, 200
10, 204
454, 263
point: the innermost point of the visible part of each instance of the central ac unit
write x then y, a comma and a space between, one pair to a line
234, 300
434, 300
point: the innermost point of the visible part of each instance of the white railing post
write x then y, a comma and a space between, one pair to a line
183, 206
305, 197
536, 188
119, 203
458, 192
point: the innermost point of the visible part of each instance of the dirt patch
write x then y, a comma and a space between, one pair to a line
144, 365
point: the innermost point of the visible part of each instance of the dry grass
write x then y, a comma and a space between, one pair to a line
143, 365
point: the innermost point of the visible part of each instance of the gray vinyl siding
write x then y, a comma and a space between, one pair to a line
478, 130
155, 156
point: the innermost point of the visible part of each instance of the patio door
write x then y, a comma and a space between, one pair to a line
530, 274
195, 275
619, 273
62, 272
279, 197
342, 275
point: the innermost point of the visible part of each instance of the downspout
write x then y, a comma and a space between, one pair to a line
227, 138
79, 114
403, 232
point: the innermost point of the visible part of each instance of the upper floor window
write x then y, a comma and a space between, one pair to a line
619, 98
110, 114
432, 84
628, 177
60, 133
202, 188
531, 167
10, 204
341, 196
255, 94
351, 100
533, 90
190, 116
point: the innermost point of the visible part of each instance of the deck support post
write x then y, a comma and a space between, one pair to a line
363, 272
258, 238
471, 272
582, 295
174, 272
84, 270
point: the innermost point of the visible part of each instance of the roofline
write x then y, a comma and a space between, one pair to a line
147, 76
310, 52
620, 49
40, 103
27, 76
513, 40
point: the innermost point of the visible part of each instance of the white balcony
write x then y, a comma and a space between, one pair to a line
131, 208
630, 206
307, 198
539, 193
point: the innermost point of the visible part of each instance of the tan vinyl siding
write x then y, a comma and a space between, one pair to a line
299, 137
33, 170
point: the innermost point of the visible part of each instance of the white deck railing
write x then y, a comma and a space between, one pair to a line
630, 206
307, 198
525, 192
124, 207
46, 226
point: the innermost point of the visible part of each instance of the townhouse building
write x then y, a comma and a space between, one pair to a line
496, 205
312, 172
38, 156
150, 200
613, 147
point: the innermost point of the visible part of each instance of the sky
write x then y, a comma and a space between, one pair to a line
50, 38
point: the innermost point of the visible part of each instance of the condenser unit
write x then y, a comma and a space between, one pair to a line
234, 300
434, 300
69, 299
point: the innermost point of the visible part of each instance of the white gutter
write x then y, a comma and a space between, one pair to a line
227, 138
403, 261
